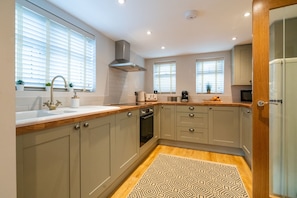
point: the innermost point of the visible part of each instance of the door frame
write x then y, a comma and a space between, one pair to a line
260, 24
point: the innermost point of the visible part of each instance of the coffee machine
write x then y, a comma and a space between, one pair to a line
184, 96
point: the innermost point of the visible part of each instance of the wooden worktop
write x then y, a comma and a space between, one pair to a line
123, 108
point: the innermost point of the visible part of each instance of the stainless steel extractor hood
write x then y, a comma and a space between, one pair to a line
122, 58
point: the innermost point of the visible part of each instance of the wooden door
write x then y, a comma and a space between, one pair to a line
260, 92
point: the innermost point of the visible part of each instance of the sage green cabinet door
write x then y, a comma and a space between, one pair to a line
246, 133
192, 134
167, 122
157, 121
127, 140
242, 65
199, 120
224, 126
96, 155
48, 164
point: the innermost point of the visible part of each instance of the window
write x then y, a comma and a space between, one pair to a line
47, 46
210, 72
165, 77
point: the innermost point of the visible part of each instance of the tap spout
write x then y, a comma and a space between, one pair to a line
51, 104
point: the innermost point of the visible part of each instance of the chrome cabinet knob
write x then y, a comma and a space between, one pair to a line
129, 114
191, 115
191, 130
86, 124
77, 127
191, 108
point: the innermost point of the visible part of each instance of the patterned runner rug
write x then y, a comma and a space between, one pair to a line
172, 176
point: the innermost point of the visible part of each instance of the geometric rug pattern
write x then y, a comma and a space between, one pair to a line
173, 176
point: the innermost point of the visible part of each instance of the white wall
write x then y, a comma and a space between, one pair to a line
186, 79
7, 101
112, 86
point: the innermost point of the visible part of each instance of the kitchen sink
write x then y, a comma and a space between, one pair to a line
34, 117
40, 113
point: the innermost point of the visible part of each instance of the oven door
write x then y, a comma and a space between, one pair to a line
146, 128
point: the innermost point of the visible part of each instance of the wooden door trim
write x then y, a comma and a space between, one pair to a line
260, 92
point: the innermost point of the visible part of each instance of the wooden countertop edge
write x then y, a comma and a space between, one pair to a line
21, 130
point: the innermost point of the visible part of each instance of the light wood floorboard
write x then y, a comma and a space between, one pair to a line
242, 167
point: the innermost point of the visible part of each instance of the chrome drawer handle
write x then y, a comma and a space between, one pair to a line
191, 108
191, 115
191, 130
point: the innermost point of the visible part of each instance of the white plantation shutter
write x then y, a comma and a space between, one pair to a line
46, 48
210, 71
165, 77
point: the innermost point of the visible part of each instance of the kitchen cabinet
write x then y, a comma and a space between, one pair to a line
167, 122
97, 155
246, 133
192, 124
127, 140
242, 65
48, 163
224, 126
157, 121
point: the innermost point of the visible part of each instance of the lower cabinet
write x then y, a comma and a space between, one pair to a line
246, 133
78, 160
167, 122
126, 142
224, 126
192, 124
97, 155
48, 163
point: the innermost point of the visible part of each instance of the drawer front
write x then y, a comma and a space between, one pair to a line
189, 134
199, 120
191, 108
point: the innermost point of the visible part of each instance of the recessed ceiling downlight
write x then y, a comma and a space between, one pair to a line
247, 14
121, 1
190, 14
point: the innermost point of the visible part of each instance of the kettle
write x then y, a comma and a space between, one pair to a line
140, 96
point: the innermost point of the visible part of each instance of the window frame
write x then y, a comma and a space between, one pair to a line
215, 72
54, 14
171, 88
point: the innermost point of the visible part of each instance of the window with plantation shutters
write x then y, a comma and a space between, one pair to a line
47, 46
165, 77
210, 72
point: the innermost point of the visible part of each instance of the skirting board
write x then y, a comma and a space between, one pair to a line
203, 147
144, 154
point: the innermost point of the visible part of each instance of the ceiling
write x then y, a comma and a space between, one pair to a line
217, 22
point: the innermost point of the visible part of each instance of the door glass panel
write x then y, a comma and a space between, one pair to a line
283, 98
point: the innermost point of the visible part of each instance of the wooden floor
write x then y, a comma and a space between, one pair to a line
242, 167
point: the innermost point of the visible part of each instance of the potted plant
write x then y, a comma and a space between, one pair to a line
20, 85
208, 88
70, 87
48, 86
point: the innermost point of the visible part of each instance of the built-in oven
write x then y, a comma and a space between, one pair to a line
146, 124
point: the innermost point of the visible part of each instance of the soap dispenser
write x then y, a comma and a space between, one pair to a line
75, 101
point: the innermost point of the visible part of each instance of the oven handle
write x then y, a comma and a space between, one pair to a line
146, 117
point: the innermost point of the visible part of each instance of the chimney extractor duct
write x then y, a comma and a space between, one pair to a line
122, 58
